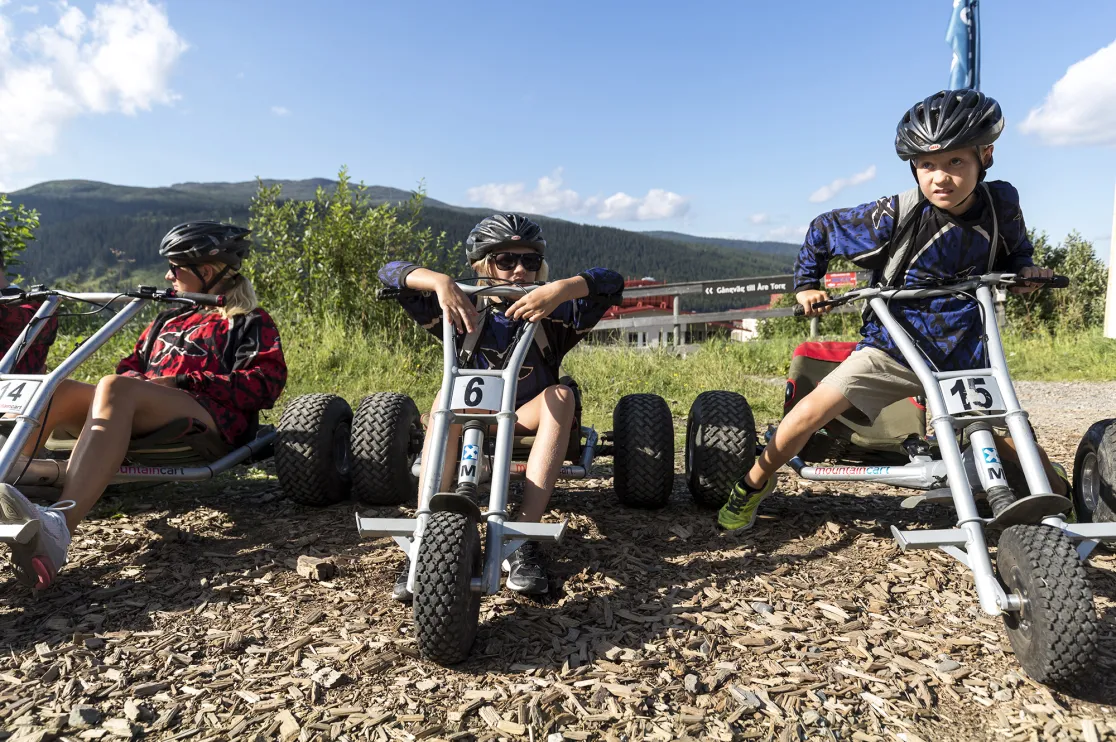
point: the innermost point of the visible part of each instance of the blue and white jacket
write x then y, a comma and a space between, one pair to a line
947, 329
564, 327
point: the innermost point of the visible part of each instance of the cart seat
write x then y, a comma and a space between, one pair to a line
181, 442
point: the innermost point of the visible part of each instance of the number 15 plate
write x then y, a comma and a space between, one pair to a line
972, 395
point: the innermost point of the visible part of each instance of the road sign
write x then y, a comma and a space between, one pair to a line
741, 287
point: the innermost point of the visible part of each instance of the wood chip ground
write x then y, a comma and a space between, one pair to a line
182, 615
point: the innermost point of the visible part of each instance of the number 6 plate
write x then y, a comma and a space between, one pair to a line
476, 392
972, 395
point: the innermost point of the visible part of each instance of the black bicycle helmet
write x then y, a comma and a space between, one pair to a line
502, 230
948, 120
195, 243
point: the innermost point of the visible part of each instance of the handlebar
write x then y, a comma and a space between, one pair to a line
940, 288
469, 289
513, 290
148, 293
205, 300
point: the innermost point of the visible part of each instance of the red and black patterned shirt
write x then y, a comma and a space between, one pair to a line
13, 318
234, 367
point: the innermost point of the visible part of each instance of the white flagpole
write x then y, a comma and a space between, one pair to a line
1110, 300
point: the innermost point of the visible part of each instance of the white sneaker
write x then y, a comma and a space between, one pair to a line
36, 562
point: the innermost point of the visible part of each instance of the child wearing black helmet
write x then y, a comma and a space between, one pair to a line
216, 367
510, 247
947, 139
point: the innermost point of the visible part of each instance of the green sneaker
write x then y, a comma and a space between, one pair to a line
739, 513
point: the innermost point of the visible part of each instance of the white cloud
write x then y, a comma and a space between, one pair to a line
550, 197
28, 9
118, 60
280, 111
827, 192
760, 218
1081, 107
787, 234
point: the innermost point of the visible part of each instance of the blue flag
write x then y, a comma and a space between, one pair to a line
964, 36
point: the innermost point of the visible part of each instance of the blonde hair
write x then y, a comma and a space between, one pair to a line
240, 297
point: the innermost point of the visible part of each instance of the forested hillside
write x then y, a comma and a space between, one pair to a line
89, 230
782, 249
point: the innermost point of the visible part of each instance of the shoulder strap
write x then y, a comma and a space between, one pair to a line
542, 342
994, 248
469, 344
902, 239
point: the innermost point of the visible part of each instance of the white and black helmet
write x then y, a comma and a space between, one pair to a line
948, 120
503, 230
195, 243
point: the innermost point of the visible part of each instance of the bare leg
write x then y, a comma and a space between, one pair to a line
805, 418
68, 409
550, 414
122, 406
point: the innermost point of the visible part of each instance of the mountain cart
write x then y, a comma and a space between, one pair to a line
310, 445
1038, 585
449, 568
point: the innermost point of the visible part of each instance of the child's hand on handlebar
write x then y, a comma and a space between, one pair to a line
809, 298
1031, 271
455, 305
540, 302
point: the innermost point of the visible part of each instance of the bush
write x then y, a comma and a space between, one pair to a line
17, 228
1078, 307
317, 259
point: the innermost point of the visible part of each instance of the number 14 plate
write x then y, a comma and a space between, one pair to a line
16, 395
972, 395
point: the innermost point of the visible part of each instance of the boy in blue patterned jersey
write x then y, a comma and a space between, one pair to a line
947, 139
510, 247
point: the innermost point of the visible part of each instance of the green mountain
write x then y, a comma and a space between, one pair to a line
782, 249
90, 230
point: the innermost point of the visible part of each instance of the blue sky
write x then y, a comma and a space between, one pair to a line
709, 118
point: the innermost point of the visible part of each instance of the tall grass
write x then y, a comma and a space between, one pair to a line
328, 358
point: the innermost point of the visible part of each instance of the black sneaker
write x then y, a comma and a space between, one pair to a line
400, 593
526, 569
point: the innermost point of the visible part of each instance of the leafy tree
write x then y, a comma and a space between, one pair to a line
17, 228
319, 258
1072, 309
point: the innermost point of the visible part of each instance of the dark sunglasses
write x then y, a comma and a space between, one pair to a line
506, 261
174, 269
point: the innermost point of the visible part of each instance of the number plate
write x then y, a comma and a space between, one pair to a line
477, 393
972, 395
16, 394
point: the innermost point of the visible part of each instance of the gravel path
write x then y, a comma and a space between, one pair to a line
181, 616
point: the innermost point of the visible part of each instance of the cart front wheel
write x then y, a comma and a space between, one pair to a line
446, 607
1054, 634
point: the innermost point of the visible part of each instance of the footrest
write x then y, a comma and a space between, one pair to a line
928, 539
1086, 531
534, 531
19, 533
386, 526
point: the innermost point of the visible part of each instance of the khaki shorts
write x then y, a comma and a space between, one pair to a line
871, 380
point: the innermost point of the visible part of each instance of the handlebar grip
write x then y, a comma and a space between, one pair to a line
391, 292
206, 300
1059, 282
